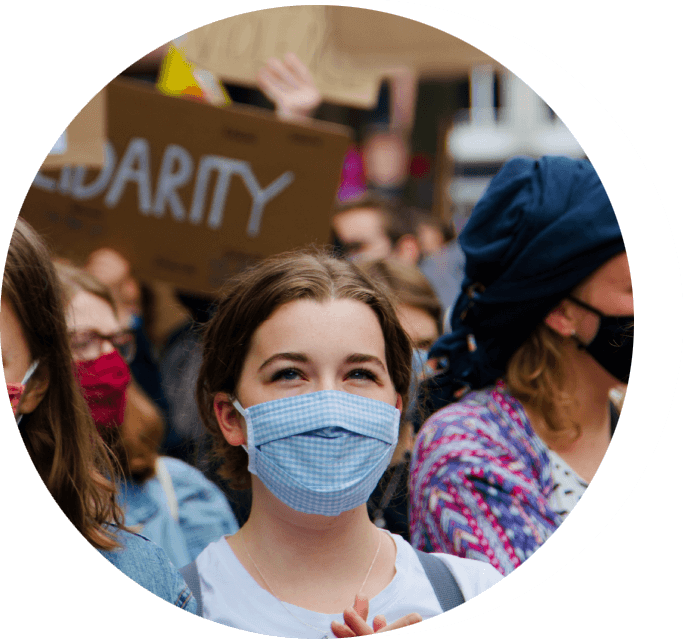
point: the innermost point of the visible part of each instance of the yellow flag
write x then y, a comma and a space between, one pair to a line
178, 76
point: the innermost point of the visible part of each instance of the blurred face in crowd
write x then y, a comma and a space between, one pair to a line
420, 325
110, 268
386, 159
609, 291
88, 318
430, 238
362, 232
100, 347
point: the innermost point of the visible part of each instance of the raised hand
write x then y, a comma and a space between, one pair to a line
355, 624
290, 85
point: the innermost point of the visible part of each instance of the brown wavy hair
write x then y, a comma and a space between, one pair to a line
59, 434
251, 298
408, 285
536, 376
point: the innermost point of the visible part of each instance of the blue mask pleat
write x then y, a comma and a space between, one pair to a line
324, 452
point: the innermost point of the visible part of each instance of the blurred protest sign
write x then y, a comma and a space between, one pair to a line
387, 40
236, 48
347, 50
190, 192
83, 140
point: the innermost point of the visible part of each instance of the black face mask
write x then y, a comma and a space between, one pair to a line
612, 346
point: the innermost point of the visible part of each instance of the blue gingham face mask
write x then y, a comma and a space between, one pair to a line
321, 453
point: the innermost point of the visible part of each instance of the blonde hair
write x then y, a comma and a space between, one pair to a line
536, 375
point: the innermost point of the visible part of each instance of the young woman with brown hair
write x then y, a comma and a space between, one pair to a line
164, 499
541, 333
305, 371
55, 422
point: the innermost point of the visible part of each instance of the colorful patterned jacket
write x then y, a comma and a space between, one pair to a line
480, 482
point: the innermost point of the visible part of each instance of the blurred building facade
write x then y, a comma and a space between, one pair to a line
504, 118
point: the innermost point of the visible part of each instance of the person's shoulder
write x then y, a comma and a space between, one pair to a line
131, 545
475, 404
475, 413
149, 566
473, 576
183, 474
137, 556
216, 553
474, 430
180, 468
217, 548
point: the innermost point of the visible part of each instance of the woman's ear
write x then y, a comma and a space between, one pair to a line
229, 420
399, 402
35, 390
561, 319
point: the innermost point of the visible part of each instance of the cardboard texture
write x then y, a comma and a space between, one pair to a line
236, 48
386, 40
84, 137
190, 192
347, 50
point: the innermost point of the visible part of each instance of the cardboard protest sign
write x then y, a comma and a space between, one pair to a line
347, 50
190, 192
83, 140
236, 48
386, 40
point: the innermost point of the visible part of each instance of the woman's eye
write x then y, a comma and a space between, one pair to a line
286, 374
362, 373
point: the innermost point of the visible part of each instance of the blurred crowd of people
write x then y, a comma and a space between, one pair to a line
458, 393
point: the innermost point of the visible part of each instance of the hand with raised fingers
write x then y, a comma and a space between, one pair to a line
290, 85
355, 621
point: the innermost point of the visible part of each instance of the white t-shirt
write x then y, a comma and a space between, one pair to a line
231, 596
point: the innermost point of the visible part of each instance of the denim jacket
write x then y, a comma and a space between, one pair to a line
148, 565
179, 509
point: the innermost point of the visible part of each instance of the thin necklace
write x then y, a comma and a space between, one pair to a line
282, 603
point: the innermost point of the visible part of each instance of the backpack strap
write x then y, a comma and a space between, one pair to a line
166, 482
442, 580
191, 576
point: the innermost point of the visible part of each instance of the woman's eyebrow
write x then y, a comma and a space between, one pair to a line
290, 357
360, 358
355, 358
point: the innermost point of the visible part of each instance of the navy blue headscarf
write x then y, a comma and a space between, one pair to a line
541, 227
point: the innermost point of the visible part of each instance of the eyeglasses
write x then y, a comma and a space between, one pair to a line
87, 345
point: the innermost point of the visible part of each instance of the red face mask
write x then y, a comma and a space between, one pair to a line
104, 381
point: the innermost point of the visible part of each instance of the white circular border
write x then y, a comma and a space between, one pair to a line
656, 284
